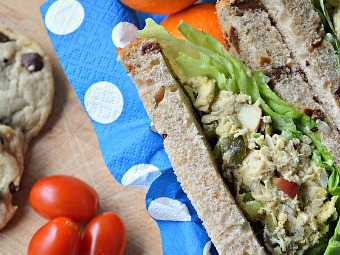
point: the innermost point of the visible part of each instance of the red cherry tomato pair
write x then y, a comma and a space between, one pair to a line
66, 200
105, 234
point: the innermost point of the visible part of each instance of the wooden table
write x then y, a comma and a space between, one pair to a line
68, 145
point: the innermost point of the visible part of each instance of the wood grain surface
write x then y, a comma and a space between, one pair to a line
68, 145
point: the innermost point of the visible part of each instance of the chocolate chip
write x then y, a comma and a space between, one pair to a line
33, 62
3, 38
13, 188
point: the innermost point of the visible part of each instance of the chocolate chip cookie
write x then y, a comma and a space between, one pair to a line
26, 97
11, 168
26, 84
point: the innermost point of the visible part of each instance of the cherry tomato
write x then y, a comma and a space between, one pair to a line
59, 236
62, 195
104, 235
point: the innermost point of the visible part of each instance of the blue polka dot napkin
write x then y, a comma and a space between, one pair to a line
85, 35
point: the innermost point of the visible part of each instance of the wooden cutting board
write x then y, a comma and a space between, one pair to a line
68, 145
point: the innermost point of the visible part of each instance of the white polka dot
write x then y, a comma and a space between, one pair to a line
103, 102
206, 250
165, 208
64, 16
124, 33
141, 176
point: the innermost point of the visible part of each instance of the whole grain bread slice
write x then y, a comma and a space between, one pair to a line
254, 38
302, 30
189, 153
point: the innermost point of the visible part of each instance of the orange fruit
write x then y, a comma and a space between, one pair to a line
158, 6
202, 16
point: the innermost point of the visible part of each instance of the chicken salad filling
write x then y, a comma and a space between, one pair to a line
273, 178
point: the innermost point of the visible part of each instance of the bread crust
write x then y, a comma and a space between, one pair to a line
192, 160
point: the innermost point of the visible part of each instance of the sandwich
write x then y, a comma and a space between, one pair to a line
303, 66
252, 136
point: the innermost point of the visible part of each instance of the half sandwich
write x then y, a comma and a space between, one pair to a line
248, 161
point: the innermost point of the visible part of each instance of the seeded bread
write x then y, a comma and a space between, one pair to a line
254, 38
190, 155
316, 57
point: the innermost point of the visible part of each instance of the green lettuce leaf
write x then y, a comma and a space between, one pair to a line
191, 67
276, 103
333, 247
